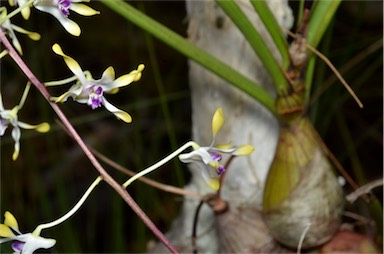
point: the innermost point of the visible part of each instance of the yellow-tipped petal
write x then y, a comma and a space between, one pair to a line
244, 150
71, 63
43, 127
217, 121
15, 154
10, 220
83, 9
109, 72
214, 183
120, 114
5, 231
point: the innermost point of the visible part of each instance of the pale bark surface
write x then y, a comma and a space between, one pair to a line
247, 122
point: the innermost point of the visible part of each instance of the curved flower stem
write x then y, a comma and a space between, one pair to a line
72, 211
106, 177
159, 164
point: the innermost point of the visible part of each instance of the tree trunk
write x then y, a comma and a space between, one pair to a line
247, 122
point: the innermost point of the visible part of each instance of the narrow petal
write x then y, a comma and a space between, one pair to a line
126, 79
68, 24
10, 221
34, 36
120, 114
83, 9
244, 150
71, 63
217, 121
16, 133
108, 75
214, 183
5, 231
43, 127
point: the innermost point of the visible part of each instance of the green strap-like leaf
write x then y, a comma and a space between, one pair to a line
321, 15
256, 41
273, 28
191, 51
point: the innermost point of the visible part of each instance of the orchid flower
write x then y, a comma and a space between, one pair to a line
28, 243
207, 158
60, 9
9, 117
23, 243
90, 91
10, 29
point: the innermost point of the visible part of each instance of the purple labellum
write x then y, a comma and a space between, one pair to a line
216, 156
64, 7
17, 246
95, 99
220, 170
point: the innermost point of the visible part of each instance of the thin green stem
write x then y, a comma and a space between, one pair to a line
188, 49
159, 164
16, 11
38, 229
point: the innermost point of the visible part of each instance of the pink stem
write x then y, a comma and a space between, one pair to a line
106, 177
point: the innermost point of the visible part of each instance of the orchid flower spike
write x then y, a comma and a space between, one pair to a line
91, 92
10, 29
60, 9
208, 158
9, 117
22, 243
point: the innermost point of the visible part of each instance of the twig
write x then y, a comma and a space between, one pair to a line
106, 177
160, 186
363, 190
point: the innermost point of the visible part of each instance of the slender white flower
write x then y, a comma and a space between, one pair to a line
9, 117
208, 158
10, 29
90, 91
61, 9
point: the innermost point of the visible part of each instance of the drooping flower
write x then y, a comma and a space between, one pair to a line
208, 158
90, 91
9, 117
10, 29
22, 243
60, 9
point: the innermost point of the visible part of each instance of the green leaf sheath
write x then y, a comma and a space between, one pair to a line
188, 49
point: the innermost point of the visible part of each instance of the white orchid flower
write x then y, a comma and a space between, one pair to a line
90, 91
9, 117
60, 9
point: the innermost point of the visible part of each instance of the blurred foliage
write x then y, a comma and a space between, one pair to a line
52, 173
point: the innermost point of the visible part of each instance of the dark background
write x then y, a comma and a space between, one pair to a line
52, 173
